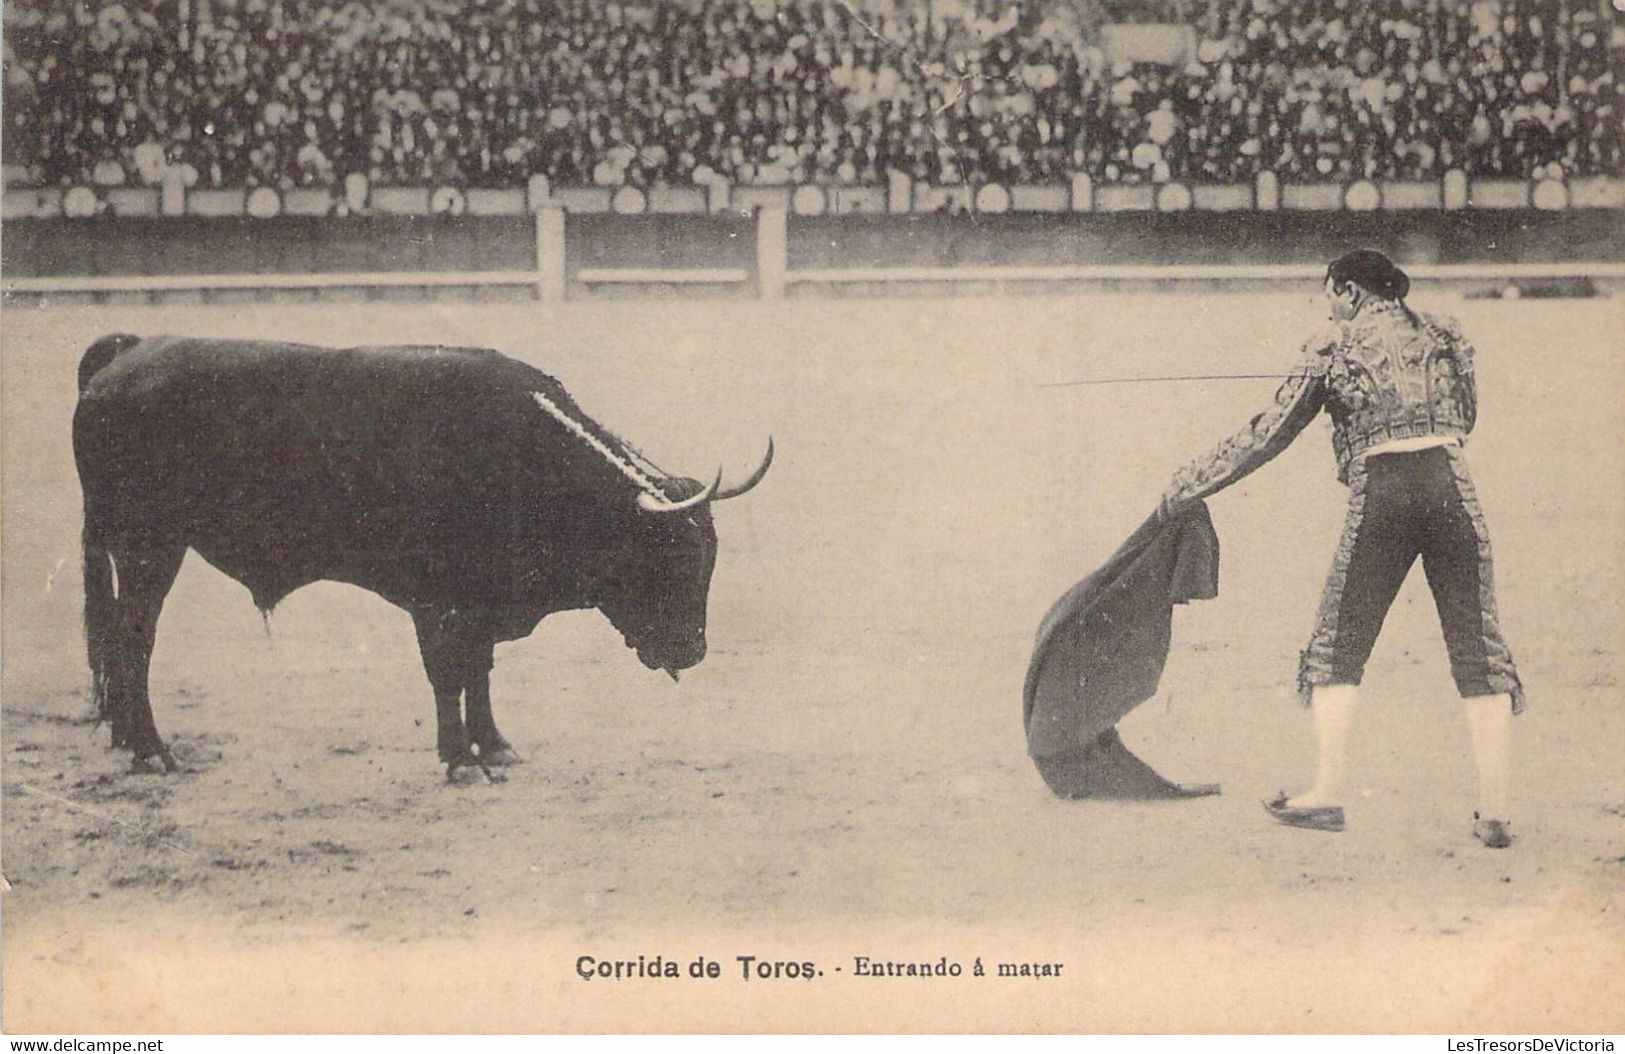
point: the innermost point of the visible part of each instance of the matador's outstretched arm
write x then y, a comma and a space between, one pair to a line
1296, 402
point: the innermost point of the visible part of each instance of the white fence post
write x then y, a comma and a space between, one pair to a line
772, 251
550, 253
717, 193
1083, 192
172, 192
1266, 192
1455, 189
899, 193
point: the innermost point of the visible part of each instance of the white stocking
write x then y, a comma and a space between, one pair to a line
1489, 727
1333, 707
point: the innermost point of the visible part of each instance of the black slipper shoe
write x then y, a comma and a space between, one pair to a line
1314, 818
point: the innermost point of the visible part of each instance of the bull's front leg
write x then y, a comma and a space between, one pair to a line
482, 727
450, 658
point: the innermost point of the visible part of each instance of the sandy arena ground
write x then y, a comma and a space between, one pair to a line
845, 775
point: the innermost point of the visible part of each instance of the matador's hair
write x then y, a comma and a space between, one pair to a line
1373, 272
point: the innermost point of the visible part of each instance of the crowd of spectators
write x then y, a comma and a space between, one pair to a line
680, 92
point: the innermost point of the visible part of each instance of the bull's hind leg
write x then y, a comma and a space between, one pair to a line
144, 576
482, 727
451, 659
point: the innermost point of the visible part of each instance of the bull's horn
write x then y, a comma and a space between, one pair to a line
651, 502
755, 477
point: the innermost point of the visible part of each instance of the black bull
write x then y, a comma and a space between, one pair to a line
458, 484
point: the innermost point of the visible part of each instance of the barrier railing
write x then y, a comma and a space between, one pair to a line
1192, 273
551, 279
1266, 192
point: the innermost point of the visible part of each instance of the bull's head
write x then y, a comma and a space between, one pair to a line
658, 600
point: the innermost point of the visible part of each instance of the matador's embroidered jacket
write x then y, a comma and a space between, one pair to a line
1384, 374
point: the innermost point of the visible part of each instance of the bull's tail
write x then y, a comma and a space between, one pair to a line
100, 354
100, 574
101, 618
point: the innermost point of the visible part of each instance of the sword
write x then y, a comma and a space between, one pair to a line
1171, 377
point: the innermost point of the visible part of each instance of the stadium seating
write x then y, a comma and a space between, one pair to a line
657, 93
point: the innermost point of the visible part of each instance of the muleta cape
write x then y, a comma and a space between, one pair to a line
1100, 653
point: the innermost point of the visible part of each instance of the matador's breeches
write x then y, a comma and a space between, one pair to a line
1402, 506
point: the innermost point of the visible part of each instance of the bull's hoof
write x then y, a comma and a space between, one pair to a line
469, 773
159, 764
502, 757
463, 775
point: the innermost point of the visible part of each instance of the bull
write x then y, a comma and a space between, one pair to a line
458, 484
